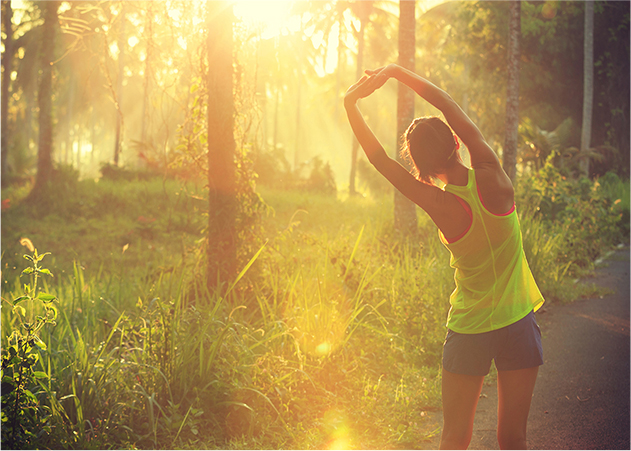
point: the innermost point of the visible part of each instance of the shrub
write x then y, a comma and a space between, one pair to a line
24, 417
314, 175
578, 210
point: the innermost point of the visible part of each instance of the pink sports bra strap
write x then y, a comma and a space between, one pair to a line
465, 206
469, 212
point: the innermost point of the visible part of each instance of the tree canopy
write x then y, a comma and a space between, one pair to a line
141, 65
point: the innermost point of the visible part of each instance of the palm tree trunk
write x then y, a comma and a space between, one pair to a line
358, 74
44, 98
69, 123
512, 92
404, 210
147, 81
119, 93
7, 65
221, 145
588, 84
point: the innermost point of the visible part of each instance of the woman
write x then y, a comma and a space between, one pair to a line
492, 308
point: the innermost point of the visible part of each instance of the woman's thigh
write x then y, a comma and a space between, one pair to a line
514, 395
460, 394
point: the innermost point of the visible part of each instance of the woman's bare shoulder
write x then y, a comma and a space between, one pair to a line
495, 188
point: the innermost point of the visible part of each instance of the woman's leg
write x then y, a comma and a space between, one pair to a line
514, 393
460, 398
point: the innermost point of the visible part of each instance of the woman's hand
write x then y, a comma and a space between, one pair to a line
387, 71
364, 87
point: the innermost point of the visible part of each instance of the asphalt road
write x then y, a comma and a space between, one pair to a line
581, 400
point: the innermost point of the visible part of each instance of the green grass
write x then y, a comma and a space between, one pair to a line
330, 337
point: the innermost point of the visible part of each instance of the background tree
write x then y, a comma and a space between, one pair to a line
363, 10
7, 68
45, 99
404, 209
122, 38
611, 119
588, 83
512, 95
221, 143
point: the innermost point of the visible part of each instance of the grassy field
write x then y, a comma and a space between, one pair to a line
330, 337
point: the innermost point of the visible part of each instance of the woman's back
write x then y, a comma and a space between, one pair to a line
494, 285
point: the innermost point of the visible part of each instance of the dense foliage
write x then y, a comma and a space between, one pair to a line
330, 334
330, 337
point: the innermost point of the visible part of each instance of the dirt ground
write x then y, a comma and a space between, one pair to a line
581, 400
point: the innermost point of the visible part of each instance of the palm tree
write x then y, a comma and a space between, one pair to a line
512, 92
404, 209
119, 93
44, 98
362, 10
221, 144
7, 66
588, 82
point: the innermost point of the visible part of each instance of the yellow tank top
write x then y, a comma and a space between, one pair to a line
494, 284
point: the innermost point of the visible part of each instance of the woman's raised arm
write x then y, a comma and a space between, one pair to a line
457, 119
420, 193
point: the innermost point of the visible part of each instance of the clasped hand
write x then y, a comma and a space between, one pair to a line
369, 83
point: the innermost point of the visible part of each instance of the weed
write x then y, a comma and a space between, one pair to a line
329, 336
24, 419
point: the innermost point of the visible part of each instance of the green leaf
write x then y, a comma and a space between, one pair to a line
40, 344
40, 375
45, 297
28, 257
46, 271
20, 299
52, 308
41, 257
20, 310
28, 271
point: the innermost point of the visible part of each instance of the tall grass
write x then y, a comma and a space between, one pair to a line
330, 336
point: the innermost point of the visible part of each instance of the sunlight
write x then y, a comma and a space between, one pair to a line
340, 433
271, 16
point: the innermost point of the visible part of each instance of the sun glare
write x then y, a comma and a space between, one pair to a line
271, 16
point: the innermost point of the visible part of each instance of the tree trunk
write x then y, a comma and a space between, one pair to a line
276, 108
404, 210
512, 92
7, 66
299, 76
588, 84
147, 81
77, 132
44, 98
119, 93
298, 144
364, 14
221, 145
340, 51
92, 135
68, 154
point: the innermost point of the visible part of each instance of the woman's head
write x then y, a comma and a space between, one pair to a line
431, 146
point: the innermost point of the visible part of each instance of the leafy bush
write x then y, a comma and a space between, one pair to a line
25, 419
314, 175
376, 183
334, 340
578, 210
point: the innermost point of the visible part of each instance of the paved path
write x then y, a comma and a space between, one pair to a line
581, 400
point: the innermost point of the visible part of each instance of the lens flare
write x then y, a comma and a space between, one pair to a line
549, 10
340, 435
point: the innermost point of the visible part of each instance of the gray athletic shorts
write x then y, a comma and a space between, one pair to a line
514, 347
